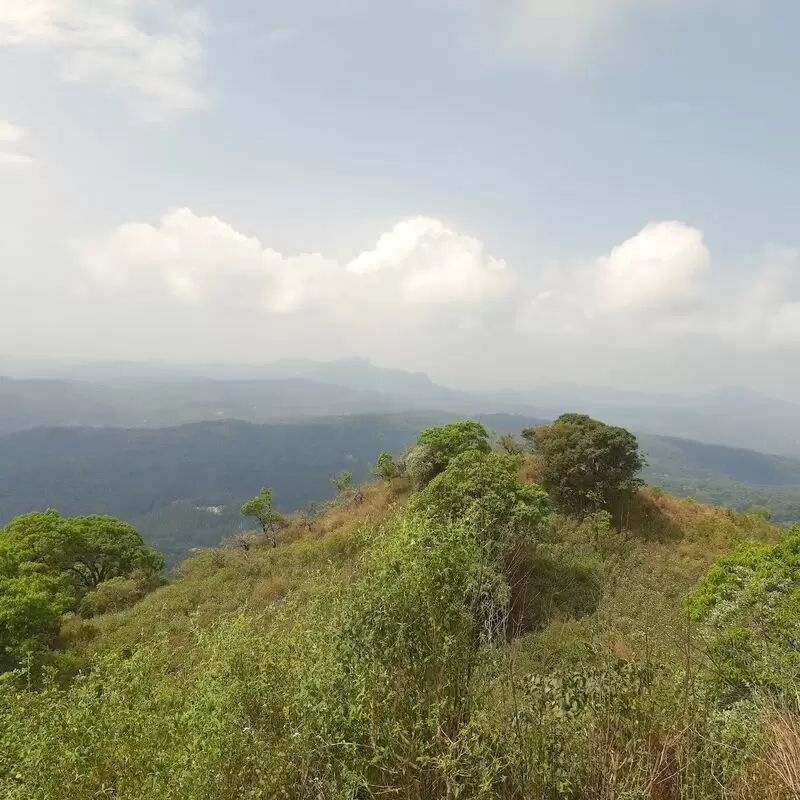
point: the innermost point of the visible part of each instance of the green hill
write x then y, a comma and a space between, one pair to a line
182, 486
454, 630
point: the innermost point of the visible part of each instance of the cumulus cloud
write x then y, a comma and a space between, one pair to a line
661, 286
657, 284
420, 270
428, 296
654, 280
658, 270
438, 265
146, 50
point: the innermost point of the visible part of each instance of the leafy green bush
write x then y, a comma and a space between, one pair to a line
436, 447
484, 490
748, 605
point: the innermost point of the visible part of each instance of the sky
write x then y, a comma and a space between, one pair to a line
500, 193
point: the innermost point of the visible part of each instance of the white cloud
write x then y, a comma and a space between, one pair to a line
661, 286
422, 275
439, 266
658, 270
421, 270
108, 42
654, 279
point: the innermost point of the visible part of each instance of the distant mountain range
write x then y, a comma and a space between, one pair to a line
175, 449
130, 394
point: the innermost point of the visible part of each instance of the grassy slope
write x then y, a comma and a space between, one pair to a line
645, 572
211, 702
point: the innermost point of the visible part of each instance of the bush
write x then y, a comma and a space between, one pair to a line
748, 605
586, 466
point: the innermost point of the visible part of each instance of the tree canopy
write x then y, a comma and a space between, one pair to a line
82, 552
485, 489
342, 480
586, 465
49, 563
261, 509
437, 446
386, 466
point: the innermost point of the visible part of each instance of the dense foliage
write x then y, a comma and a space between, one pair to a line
484, 490
50, 564
447, 638
436, 447
586, 465
749, 606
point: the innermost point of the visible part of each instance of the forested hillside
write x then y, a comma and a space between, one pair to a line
182, 486
505, 618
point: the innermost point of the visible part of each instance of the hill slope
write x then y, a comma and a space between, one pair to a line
182, 486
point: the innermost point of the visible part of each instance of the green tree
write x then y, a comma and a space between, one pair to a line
261, 509
386, 467
420, 465
437, 446
586, 465
49, 563
748, 605
31, 606
82, 552
342, 480
485, 489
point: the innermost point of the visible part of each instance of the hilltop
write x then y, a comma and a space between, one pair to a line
669, 544
490, 619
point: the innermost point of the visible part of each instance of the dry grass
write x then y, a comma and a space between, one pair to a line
236, 577
781, 752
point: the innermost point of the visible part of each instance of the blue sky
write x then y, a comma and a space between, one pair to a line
499, 193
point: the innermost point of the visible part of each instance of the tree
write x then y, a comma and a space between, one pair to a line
448, 441
420, 465
342, 480
586, 465
485, 490
437, 446
31, 606
49, 563
260, 508
748, 606
385, 466
82, 552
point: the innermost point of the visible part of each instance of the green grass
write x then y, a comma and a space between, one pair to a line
373, 657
